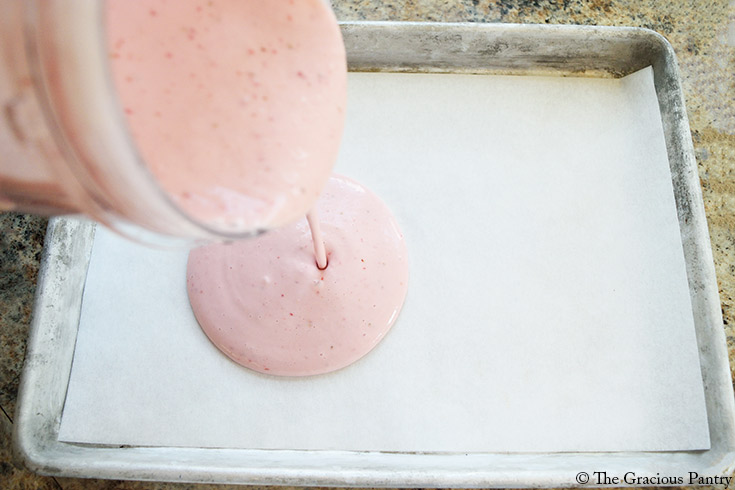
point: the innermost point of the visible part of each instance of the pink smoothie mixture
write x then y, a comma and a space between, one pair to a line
266, 304
236, 106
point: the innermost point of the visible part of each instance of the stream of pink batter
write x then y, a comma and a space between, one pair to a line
266, 304
235, 106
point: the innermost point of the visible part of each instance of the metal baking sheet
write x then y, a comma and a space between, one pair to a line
521, 50
571, 270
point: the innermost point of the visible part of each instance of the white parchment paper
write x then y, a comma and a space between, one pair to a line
548, 306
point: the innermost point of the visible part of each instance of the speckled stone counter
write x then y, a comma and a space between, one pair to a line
702, 33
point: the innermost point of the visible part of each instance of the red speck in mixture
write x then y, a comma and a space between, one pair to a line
291, 314
169, 54
289, 18
283, 295
128, 111
300, 74
153, 13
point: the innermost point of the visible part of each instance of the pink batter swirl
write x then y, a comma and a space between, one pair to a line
236, 106
265, 304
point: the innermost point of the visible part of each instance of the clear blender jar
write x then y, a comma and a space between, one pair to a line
64, 144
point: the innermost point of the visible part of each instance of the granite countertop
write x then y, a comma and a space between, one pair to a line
702, 33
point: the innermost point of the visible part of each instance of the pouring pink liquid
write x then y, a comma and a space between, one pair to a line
210, 119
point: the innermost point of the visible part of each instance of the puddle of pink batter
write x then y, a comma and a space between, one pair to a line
265, 304
236, 106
